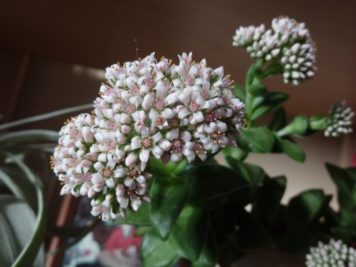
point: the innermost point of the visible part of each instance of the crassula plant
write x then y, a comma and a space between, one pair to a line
147, 154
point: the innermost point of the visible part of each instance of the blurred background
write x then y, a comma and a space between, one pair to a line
53, 53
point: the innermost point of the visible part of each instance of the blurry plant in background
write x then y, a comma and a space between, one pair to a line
23, 212
147, 154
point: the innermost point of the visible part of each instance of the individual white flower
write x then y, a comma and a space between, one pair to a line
287, 42
152, 108
339, 120
335, 253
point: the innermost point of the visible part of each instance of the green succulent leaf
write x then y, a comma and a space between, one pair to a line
138, 218
214, 184
267, 103
234, 153
291, 149
267, 203
208, 255
251, 234
279, 119
157, 253
239, 91
345, 181
164, 170
293, 236
309, 205
258, 139
168, 197
190, 232
257, 88
253, 73
253, 174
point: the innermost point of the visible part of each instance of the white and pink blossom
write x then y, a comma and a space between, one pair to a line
147, 108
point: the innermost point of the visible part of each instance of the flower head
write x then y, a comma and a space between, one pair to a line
148, 108
339, 121
287, 44
335, 253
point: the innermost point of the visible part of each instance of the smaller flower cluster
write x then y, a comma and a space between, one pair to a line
339, 120
288, 44
335, 253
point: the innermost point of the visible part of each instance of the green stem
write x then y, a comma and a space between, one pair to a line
271, 70
318, 123
253, 74
285, 131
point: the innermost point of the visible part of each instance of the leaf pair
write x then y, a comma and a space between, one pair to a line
187, 240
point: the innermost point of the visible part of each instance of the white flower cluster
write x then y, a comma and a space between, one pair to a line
339, 121
147, 108
335, 253
288, 44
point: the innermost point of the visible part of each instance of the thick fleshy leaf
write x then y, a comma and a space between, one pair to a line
292, 234
190, 232
253, 174
202, 264
234, 153
251, 234
259, 139
168, 197
352, 173
279, 119
240, 92
208, 255
253, 74
291, 149
309, 205
347, 234
169, 169
268, 199
138, 218
267, 103
17, 224
345, 181
346, 227
213, 184
157, 253
257, 88
299, 126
